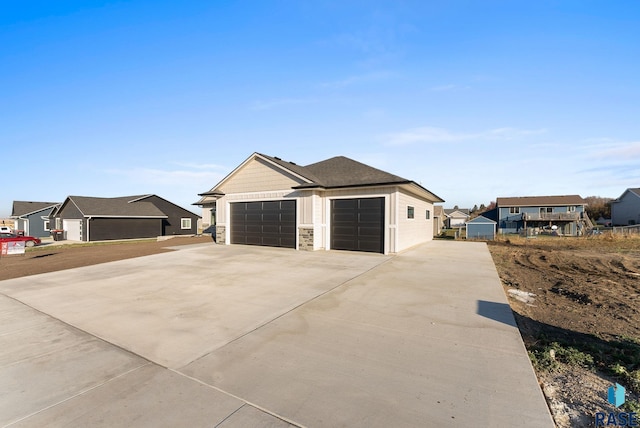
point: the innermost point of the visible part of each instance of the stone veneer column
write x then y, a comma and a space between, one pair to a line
220, 235
305, 238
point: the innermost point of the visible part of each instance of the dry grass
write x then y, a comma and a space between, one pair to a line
607, 241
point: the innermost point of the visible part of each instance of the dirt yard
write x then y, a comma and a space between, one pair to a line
53, 257
580, 322
577, 304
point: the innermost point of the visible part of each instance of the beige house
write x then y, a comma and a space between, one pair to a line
337, 204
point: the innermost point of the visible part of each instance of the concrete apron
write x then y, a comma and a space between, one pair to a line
266, 337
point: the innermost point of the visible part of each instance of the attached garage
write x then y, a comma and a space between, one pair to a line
358, 224
334, 204
268, 223
73, 229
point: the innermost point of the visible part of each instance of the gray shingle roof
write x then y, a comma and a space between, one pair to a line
21, 208
540, 201
339, 171
336, 172
116, 207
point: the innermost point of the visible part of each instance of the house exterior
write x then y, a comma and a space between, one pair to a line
32, 218
534, 214
84, 218
625, 211
337, 203
456, 217
481, 228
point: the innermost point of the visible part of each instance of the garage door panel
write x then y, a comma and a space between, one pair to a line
269, 223
369, 203
369, 232
358, 224
369, 217
344, 203
341, 217
271, 218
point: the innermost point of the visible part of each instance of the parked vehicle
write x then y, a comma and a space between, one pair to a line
5, 229
29, 241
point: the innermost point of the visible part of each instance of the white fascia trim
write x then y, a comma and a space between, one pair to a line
123, 216
250, 158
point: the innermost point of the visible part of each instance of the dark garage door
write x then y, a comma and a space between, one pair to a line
270, 223
357, 224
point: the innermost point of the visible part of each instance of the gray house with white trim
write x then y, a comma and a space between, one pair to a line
534, 214
337, 203
625, 211
32, 218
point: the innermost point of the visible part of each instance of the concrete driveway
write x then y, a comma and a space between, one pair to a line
237, 336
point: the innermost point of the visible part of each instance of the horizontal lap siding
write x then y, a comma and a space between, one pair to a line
418, 229
104, 229
259, 176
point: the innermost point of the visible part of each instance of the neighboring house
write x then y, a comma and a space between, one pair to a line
456, 217
86, 218
438, 219
481, 228
534, 214
32, 218
625, 211
337, 203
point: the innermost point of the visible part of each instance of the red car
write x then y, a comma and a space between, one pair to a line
29, 241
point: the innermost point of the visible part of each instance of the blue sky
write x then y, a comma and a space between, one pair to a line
472, 99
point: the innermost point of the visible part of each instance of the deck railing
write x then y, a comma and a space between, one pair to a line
551, 216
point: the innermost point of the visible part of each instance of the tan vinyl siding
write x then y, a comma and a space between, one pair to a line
418, 229
257, 176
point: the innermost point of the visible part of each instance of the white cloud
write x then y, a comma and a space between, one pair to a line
621, 151
169, 177
440, 135
201, 165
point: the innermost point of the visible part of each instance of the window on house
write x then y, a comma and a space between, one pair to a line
571, 209
46, 225
428, 215
409, 212
185, 223
514, 210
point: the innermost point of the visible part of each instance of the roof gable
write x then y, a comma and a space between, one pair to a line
634, 192
482, 220
126, 206
540, 201
275, 168
22, 208
336, 172
462, 212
